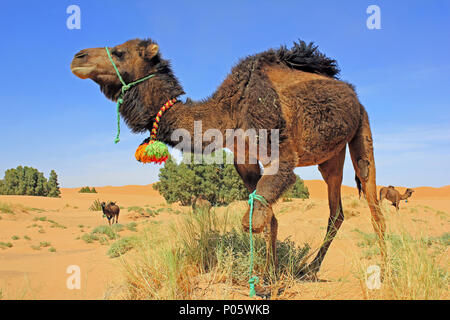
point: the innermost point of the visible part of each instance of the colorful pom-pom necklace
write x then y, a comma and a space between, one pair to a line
152, 150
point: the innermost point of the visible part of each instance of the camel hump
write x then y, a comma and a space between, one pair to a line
302, 56
391, 187
307, 57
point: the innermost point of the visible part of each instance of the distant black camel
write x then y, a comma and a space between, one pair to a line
111, 211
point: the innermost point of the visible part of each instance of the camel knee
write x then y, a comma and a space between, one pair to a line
261, 218
363, 166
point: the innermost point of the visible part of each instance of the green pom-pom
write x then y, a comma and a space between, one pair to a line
157, 151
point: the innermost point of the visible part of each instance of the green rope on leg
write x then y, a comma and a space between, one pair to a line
253, 279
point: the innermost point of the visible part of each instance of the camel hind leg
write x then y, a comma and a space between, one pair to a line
361, 151
331, 171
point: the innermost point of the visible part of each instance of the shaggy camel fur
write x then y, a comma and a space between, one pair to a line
394, 196
111, 211
293, 90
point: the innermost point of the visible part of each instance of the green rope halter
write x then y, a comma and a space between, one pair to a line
125, 87
253, 279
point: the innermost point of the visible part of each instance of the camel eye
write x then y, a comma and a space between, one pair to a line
118, 54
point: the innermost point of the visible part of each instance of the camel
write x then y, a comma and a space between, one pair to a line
111, 211
200, 203
296, 91
394, 196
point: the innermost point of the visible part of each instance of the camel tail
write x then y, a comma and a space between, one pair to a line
361, 151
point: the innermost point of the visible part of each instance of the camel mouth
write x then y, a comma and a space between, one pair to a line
82, 72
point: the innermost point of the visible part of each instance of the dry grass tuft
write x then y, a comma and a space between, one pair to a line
168, 262
416, 266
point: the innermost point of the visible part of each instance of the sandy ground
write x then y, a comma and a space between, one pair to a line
30, 272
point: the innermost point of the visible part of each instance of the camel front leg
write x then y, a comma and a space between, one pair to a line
271, 186
270, 235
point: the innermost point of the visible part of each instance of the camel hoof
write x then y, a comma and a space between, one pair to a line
263, 292
309, 274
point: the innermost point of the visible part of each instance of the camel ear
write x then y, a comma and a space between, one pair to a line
151, 51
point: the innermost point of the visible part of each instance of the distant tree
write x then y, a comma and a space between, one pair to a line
53, 186
41, 187
28, 181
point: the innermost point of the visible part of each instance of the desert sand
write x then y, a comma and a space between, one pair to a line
29, 270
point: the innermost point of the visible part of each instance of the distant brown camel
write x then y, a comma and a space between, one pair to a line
394, 196
293, 90
111, 211
200, 203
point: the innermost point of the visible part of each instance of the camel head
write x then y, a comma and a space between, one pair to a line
103, 204
409, 192
134, 59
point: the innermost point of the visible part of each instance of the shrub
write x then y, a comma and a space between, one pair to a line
96, 206
220, 184
413, 270
87, 190
89, 237
121, 246
110, 232
167, 266
44, 244
4, 245
6, 208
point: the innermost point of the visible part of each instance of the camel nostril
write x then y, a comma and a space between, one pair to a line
80, 54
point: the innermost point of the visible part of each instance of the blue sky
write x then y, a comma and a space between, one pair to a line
50, 119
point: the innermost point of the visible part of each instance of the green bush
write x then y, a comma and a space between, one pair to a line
87, 190
110, 232
96, 206
29, 181
4, 245
121, 246
220, 184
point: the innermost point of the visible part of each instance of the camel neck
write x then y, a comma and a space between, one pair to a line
191, 121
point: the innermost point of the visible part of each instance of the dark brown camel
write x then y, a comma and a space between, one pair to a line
394, 196
111, 211
200, 203
293, 90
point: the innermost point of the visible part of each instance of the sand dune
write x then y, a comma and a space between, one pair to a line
317, 189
